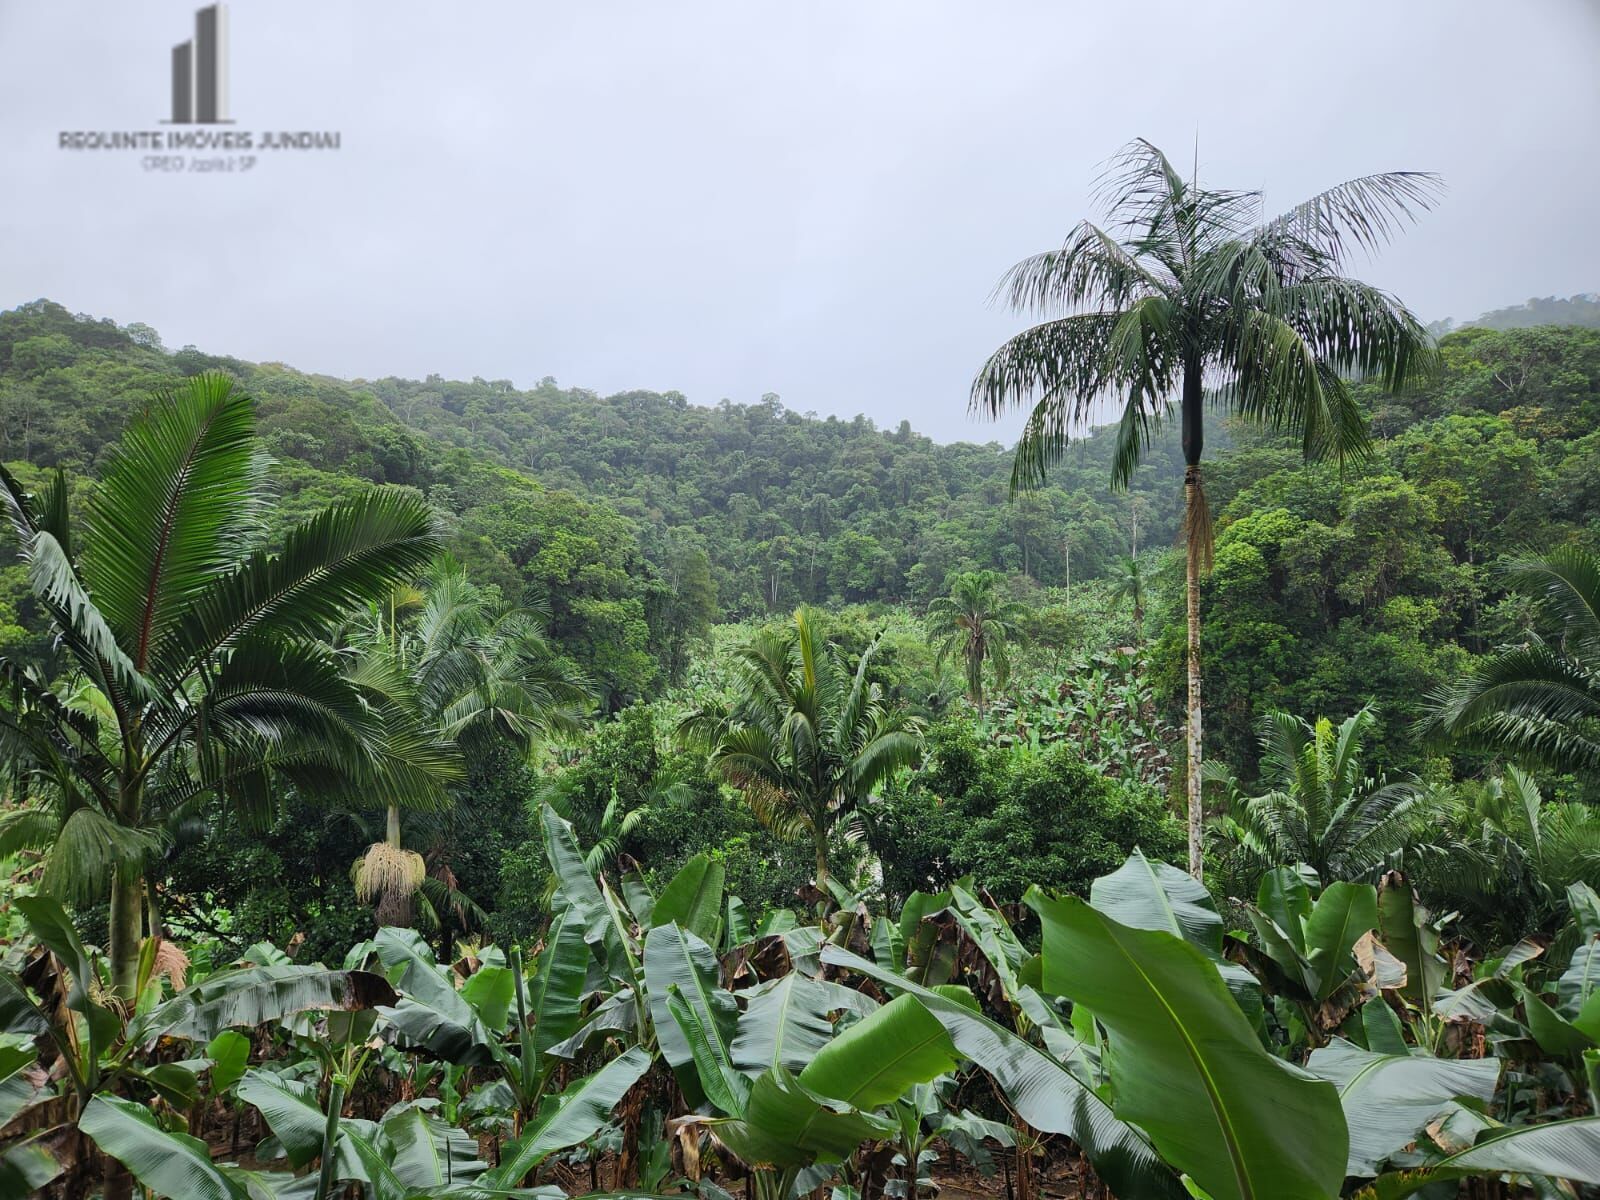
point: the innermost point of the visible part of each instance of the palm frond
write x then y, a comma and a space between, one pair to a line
164, 521
335, 561
1363, 213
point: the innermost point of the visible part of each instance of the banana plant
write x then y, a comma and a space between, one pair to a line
1307, 942
782, 1123
1187, 1068
55, 1002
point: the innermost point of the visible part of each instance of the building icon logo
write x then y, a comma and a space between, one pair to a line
199, 137
200, 71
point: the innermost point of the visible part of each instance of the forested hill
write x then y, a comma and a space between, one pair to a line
641, 518
762, 506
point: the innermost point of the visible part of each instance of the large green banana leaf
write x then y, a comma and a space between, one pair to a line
430, 1012
693, 899
169, 1164
555, 995
1388, 1099
1314, 948
617, 1013
1155, 895
1408, 933
491, 992
673, 957
1045, 1094
1579, 981
785, 1022
573, 1117
1342, 914
785, 1125
577, 884
1186, 1065
291, 1111
425, 1151
1559, 1150
878, 1059
252, 996
728, 1090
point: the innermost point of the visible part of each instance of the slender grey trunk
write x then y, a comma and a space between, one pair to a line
1197, 535
1192, 497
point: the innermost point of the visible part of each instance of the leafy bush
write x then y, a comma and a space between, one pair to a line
1011, 818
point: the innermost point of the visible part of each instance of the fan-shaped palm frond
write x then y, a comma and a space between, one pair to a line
975, 621
1513, 855
194, 676
443, 671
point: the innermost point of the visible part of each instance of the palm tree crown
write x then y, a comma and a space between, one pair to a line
1540, 700
977, 622
1188, 289
1128, 583
1321, 808
807, 739
194, 669
448, 669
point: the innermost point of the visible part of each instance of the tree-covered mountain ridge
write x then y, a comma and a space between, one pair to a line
640, 519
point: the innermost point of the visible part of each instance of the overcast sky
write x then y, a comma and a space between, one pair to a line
728, 199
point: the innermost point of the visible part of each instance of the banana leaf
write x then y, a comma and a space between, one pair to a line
1388, 1099
570, 1118
252, 996
1045, 1094
1559, 1150
674, 957
878, 1059
693, 899
169, 1164
785, 1023
1186, 1065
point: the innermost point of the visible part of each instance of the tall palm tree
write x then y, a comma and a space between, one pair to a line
806, 739
1128, 583
977, 622
1187, 289
194, 669
1538, 701
1320, 808
448, 670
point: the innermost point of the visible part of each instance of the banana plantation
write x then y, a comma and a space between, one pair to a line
658, 1043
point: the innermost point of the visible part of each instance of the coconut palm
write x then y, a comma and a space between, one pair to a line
193, 666
1538, 701
1187, 289
1321, 808
978, 623
806, 739
449, 669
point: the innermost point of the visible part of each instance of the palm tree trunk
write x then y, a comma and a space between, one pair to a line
125, 928
819, 838
1197, 545
1192, 551
391, 833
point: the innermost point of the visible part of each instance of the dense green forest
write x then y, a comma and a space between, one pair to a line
431, 788
641, 520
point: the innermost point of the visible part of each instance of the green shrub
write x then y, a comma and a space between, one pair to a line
1013, 818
